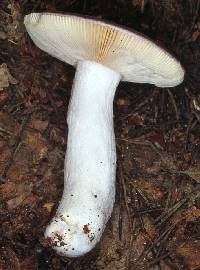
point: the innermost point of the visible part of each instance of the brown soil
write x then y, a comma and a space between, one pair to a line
156, 218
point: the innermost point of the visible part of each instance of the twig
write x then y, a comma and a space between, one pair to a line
166, 215
158, 259
174, 104
156, 241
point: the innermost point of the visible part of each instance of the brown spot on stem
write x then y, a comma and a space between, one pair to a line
59, 236
86, 228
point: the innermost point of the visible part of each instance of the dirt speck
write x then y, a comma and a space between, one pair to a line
86, 228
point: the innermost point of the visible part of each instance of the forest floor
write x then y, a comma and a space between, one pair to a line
155, 223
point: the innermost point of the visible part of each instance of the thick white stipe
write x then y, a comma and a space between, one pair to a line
90, 162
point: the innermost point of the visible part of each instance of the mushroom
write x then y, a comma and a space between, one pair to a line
103, 54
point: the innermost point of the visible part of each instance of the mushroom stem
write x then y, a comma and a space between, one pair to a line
90, 162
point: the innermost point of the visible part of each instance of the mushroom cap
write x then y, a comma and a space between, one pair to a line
73, 38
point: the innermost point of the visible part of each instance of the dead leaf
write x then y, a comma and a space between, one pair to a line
37, 144
17, 193
57, 136
152, 190
3, 96
193, 172
38, 124
192, 213
15, 202
15, 28
122, 102
189, 252
31, 150
5, 77
136, 119
195, 35
8, 124
7, 190
49, 206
